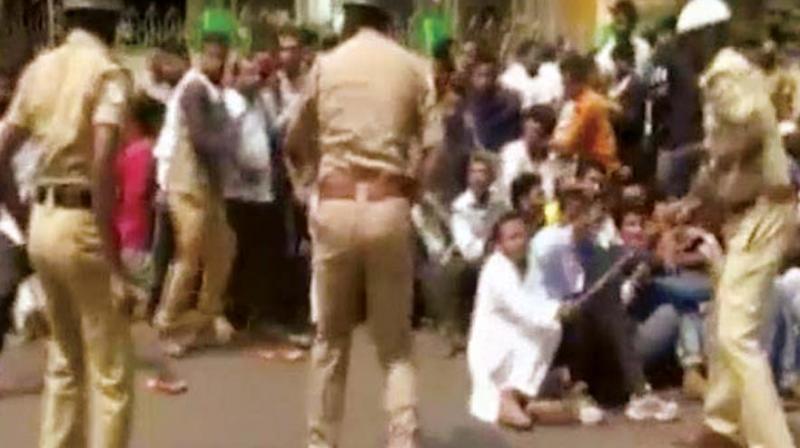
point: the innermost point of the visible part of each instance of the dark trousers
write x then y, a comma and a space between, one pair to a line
599, 348
14, 267
261, 271
449, 294
599, 344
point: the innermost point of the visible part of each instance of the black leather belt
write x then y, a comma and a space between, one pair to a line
65, 196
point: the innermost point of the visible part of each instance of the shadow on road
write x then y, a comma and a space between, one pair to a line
469, 437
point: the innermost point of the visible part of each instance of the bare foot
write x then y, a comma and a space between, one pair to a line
551, 412
511, 413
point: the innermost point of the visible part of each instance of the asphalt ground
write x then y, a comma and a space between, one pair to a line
237, 399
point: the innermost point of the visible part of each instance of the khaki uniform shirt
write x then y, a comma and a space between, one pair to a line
61, 96
368, 104
736, 96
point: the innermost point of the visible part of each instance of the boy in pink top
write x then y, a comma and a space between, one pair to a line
135, 169
135, 173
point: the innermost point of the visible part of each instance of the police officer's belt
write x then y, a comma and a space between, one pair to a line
377, 185
65, 196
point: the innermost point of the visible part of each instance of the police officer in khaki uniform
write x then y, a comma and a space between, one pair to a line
747, 180
72, 101
351, 149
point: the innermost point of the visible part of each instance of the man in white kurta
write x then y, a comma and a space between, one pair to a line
514, 338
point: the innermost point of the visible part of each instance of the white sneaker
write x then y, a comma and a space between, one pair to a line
590, 414
651, 407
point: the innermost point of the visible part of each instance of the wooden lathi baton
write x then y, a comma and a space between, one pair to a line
616, 269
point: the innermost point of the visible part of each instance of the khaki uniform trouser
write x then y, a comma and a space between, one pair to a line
363, 266
204, 242
742, 402
90, 342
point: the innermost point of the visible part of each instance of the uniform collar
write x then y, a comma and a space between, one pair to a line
85, 39
370, 33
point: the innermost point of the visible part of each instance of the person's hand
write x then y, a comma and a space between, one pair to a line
627, 293
568, 311
302, 196
123, 302
681, 211
624, 174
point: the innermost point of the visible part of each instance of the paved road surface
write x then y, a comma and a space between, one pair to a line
237, 400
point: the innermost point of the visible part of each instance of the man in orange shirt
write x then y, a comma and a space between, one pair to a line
585, 125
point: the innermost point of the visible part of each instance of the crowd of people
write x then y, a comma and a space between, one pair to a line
548, 245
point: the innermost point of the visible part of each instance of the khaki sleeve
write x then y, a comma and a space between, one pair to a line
731, 100
18, 113
302, 136
432, 126
737, 108
112, 100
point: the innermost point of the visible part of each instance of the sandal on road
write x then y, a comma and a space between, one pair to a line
176, 387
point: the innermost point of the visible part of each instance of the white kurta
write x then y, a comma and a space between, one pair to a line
514, 337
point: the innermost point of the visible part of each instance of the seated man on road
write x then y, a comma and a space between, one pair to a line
599, 344
514, 335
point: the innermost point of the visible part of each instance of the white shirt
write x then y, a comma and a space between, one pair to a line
517, 79
471, 223
25, 164
515, 161
291, 99
554, 264
642, 54
159, 91
513, 338
547, 87
255, 150
550, 85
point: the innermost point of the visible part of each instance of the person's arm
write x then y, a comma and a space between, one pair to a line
213, 133
732, 108
15, 133
301, 144
108, 118
430, 134
472, 247
104, 189
11, 140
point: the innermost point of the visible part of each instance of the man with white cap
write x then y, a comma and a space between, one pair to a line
360, 165
72, 100
746, 179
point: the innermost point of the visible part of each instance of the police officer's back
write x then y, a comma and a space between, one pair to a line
72, 101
